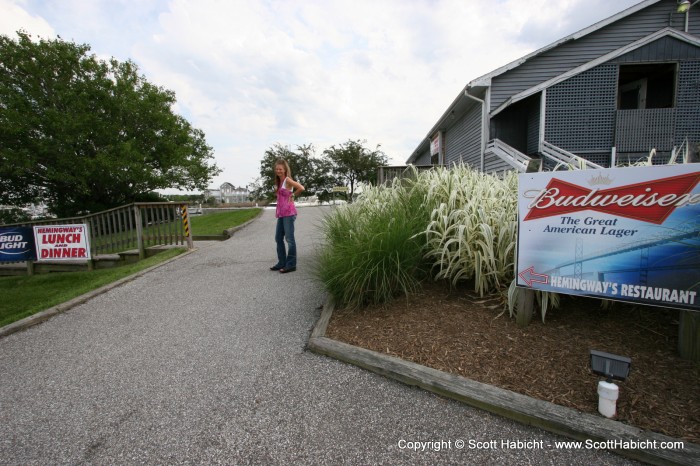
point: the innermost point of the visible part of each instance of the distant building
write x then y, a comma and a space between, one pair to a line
228, 194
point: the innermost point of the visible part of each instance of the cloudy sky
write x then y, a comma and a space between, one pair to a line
252, 73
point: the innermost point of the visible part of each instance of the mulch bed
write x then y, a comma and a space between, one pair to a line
458, 332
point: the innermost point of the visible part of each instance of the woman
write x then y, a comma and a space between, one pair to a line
286, 215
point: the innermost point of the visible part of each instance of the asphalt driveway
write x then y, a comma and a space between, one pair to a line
203, 361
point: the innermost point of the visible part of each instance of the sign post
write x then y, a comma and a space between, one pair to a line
340, 189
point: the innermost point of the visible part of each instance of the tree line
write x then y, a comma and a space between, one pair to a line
346, 164
81, 134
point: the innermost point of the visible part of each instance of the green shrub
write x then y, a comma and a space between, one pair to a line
454, 224
374, 247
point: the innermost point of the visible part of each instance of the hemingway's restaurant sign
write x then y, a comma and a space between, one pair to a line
16, 244
628, 234
61, 242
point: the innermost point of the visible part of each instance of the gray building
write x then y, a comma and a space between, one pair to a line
228, 194
608, 94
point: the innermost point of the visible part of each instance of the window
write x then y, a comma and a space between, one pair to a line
646, 86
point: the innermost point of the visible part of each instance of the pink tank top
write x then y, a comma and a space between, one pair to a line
285, 203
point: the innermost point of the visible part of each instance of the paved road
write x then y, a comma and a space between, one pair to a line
202, 361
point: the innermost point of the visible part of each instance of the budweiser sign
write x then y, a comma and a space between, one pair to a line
649, 202
627, 234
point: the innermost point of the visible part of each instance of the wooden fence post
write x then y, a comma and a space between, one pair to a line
525, 307
689, 335
139, 232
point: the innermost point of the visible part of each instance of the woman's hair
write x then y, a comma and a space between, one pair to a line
287, 171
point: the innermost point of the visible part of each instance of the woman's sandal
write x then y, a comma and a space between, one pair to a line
291, 269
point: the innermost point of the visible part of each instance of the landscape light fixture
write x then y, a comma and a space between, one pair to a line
610, 366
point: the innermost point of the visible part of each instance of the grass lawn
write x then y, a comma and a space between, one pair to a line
216, 223
26, 295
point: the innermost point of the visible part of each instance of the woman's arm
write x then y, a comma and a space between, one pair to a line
297, 187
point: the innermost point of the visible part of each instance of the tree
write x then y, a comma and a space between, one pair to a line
353, 163
313, 173
84, 134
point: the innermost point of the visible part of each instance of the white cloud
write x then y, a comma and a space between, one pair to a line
15, 17
254, 73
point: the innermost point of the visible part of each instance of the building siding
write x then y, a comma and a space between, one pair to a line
582, 115
463, 140
569, 55
423, 158
664, 49
494, 164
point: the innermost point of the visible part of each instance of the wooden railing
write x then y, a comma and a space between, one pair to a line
508, 154
560, 156
134, 226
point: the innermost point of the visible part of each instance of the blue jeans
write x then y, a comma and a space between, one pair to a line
285, 229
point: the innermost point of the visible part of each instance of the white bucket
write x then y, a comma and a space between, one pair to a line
607, 398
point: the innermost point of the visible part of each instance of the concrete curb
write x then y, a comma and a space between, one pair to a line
227, 233
44, 315
545, 415
230, 231
40, 317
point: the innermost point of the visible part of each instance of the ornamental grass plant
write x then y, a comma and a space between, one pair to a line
455, 224
374, 247
473, 227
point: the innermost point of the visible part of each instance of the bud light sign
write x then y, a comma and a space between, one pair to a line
628, 234
17, 244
